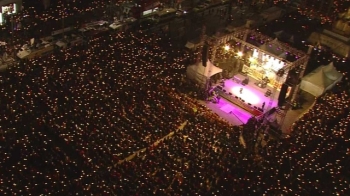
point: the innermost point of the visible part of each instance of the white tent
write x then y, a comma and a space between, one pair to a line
291, 39
61, 44
278, 33
115, 26
320, 80
200, 74
23, 54
281, 34
230, 29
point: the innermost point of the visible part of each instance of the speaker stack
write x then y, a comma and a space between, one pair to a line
292, 78
205, 53
282, 95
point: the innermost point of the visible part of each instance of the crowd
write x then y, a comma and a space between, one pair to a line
31, 163
189, 163
208, 157
105, 100
70, 122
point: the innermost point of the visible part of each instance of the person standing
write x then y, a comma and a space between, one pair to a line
263, 106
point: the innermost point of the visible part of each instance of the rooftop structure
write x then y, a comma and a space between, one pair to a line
9, 7
326, 10
336, 38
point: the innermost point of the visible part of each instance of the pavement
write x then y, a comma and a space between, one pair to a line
129, 158
294, 115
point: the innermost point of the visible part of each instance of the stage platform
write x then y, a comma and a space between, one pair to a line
249, 97
236, 115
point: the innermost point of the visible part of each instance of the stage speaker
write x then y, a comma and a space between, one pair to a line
292, 78
205, 54
273, 110
282, 95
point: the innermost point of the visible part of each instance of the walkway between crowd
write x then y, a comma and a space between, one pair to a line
180, 128
294, 115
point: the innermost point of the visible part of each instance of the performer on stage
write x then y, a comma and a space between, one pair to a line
241, 90
266, 80
263, 106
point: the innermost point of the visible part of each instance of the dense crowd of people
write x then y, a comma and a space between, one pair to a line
207, 157
71, 123
105, 101
31, 163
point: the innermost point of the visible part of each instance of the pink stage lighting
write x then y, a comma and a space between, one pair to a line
246, 95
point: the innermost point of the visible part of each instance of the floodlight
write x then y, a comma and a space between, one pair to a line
227, 47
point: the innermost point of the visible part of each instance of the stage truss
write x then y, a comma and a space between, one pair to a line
240, 36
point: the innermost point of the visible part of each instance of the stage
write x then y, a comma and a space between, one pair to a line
238, 116
250, 97
266, 67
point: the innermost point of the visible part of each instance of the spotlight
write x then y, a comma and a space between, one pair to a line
227, 47
240, 54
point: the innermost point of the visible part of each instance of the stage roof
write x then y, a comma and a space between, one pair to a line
271, 48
